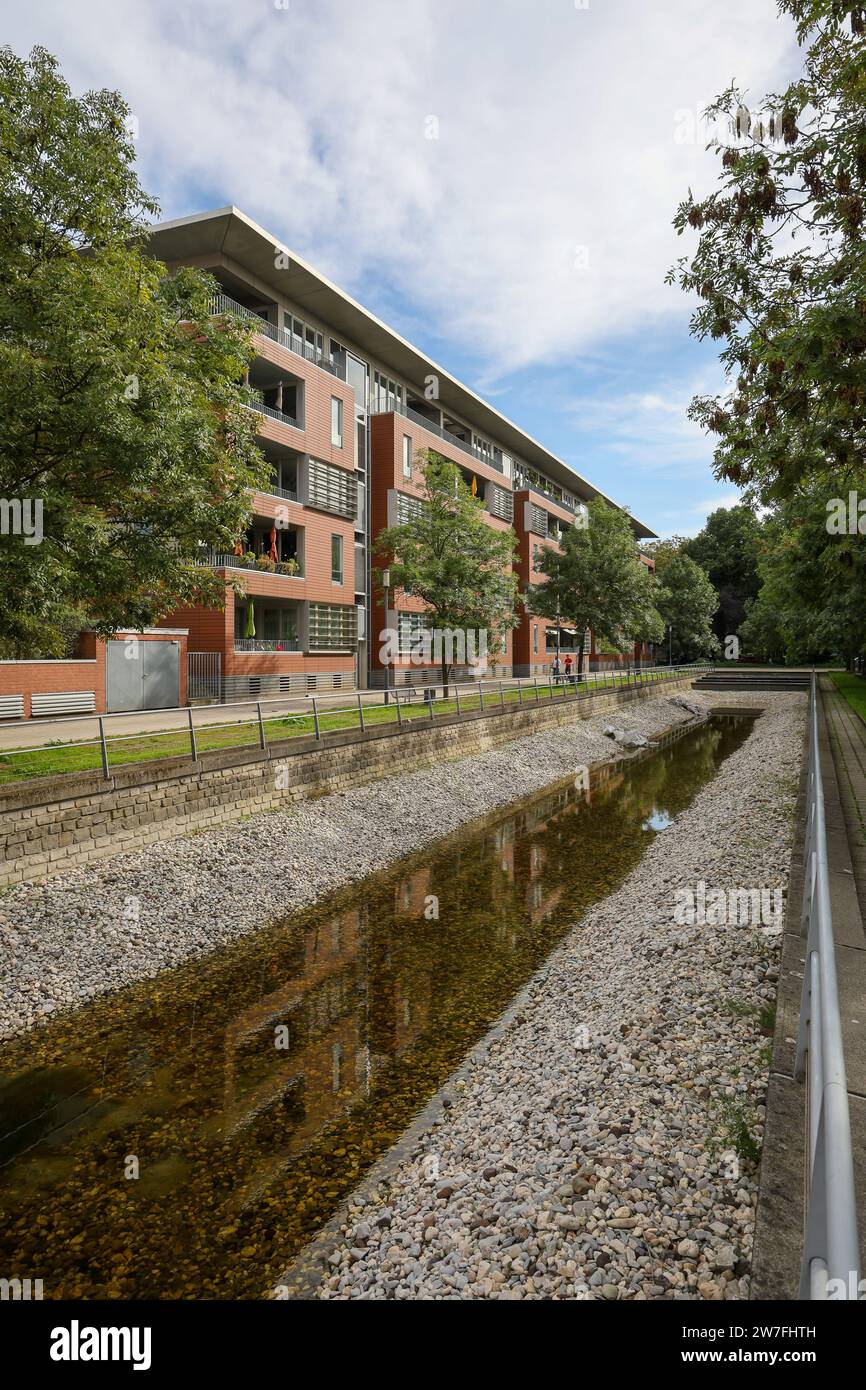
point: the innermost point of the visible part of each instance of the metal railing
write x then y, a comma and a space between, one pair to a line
224, 304
221, 560
280, 415
831, 1248
384, 406
411, 705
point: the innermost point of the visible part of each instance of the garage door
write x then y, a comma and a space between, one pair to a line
142, 675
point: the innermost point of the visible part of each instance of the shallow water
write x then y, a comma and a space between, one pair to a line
252, 1089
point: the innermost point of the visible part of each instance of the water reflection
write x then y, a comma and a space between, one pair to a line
251, 1090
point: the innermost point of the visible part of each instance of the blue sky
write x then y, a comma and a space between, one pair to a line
496, 178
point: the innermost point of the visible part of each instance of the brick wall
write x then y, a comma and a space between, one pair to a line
54, 824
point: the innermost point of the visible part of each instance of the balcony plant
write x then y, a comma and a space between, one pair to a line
287, 567
266, 564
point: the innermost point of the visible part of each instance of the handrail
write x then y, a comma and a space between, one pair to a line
403, 698
831, 1249
224, 304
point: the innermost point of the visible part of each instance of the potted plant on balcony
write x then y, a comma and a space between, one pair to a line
249, 557
287, 567
265, 563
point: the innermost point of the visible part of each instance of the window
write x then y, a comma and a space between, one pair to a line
336, 422
407, 456
535, 639
412, 634
387, 394
337, 559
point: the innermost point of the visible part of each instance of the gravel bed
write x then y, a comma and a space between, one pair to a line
94, 929
596, 1149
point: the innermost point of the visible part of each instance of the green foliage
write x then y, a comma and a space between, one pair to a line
736, 1126
780, 267
728, 548
812, 603
119, 407
596, 580
687, 602
449, 557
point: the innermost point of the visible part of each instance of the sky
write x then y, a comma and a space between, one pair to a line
495, 178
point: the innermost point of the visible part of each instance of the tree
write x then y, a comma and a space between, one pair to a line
448, 556
122, 422
812, 603
780, 267
662, 552
687, 601
728, 548
596, 580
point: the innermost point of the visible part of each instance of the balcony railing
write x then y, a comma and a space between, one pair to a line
272, 490
267, 644
224, 304
222, 561
521, 484
261, 409
397, 408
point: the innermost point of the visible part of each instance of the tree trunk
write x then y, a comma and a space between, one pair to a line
580, 659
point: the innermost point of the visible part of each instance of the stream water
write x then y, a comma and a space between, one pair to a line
184, 1137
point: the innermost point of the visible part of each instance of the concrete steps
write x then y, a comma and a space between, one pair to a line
753, 680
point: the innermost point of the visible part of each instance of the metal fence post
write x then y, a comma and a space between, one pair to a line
501, 697
262, 741
431, 691
361, 712
399, 710
519, 693
537, 696
481, 696
103, 747
316, 718
192, 743
457, 696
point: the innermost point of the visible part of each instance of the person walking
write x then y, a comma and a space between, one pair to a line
556, 668
568, 665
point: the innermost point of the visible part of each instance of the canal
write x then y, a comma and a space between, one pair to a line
184, 1137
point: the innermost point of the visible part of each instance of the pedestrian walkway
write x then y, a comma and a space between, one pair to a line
779, 1221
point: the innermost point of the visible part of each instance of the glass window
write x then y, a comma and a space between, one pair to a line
337, 559
407, 456
336, 422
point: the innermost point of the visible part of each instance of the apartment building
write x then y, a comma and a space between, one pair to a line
345, 404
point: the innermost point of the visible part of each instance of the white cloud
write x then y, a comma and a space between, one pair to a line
559, 129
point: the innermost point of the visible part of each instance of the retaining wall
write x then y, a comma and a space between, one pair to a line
57, 823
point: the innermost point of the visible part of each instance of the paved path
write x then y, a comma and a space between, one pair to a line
779, 1228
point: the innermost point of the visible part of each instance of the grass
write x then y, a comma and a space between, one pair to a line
853, 688
57, 757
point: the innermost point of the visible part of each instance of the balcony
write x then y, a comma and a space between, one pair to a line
265, 644
223, 304
261, 409
287, 569
392, 407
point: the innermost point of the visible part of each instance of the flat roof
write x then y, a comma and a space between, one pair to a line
230, 232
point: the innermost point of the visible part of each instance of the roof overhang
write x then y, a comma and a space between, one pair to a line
229, 232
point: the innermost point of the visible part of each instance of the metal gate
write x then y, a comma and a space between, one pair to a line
204, 677
141, 675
